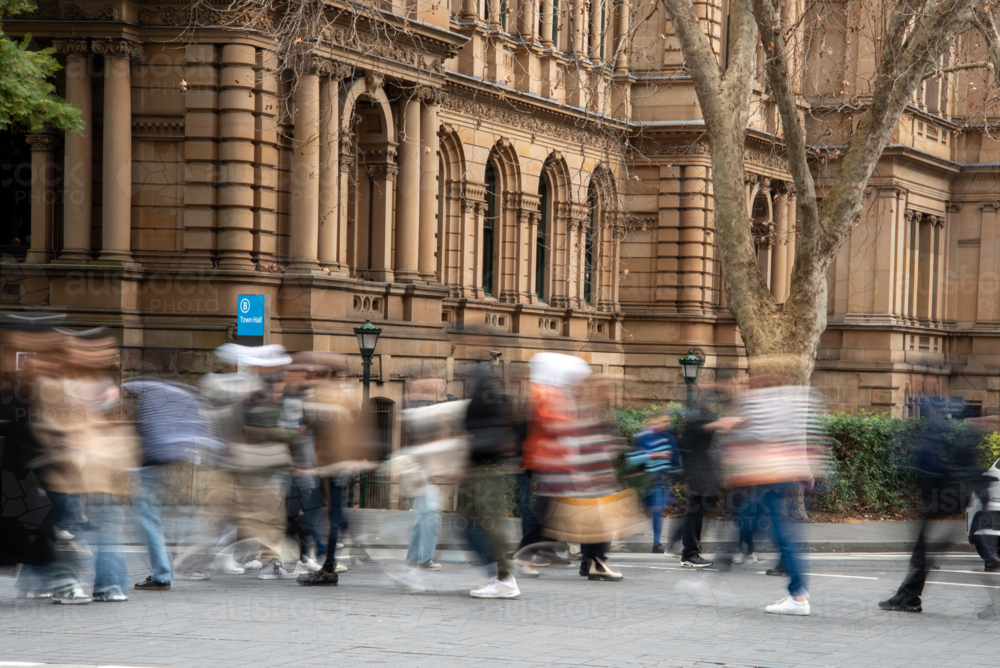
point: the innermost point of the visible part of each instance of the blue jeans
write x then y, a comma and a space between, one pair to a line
424, 535
147, 514
784, 536
110, 567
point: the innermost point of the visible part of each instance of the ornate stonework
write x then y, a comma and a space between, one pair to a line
117, 47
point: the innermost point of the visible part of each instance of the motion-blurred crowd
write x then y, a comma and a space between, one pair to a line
286, 435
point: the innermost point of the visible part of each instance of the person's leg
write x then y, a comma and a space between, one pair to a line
656, 512
916, 577
427, 542
784, 536
420, 511
110, 567
481, 496
531, 521
691, 529
147, 512
335, 512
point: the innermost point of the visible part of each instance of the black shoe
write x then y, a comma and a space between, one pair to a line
149, 584
554, 558
658, 549
695, 562
993, 565
777, 570
585, 568
902, 603
318, 578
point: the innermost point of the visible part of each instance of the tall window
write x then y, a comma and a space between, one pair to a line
489, 226
555, 23
588, 248
543, 222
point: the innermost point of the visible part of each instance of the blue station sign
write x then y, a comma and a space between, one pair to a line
250, 315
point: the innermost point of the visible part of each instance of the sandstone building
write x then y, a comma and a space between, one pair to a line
507, 164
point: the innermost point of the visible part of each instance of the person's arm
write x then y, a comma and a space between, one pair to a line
724, 424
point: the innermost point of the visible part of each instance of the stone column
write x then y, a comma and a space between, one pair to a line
329, 167
621, 61
939, 277
470, 11
43, 196
116, 233
779, 263
408, 193
201, 171
792, 227
576, 28
266, 160
694, 270
988, 307
427, 263
304, 242
237, 130
383, 170
924, 267
78, 182
596, 33
348, 170
526, 20
908, 263
900, 271
546, 22
494, 6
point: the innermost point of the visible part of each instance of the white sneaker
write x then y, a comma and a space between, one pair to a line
341, 568
62, 534
228, 565
307, 566
73, 595
274, 571
253, 565
497, 588
789, 606
194, 575
525, 568
749, 558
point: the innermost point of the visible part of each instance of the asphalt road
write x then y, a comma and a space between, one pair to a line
660, 615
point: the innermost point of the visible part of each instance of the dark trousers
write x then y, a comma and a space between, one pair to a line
304, 507
532, 522
338, 523
481, 506
691, 529
591, 550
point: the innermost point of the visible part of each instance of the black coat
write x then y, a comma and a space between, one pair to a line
695, 445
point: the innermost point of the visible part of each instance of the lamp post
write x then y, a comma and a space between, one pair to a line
690, 364
367, 340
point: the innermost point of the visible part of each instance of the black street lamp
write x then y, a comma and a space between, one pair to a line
367, 340
690, 364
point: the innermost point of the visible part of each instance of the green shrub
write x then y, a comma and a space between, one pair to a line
872, 457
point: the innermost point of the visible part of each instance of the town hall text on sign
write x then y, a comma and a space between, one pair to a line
250, 315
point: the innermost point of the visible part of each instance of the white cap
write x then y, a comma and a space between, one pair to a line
558, 370
264, 356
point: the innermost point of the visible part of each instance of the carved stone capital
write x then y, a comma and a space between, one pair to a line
373, 81
121, 48
317, 65
72, 47
429, 95
912, 215
989, 205
953, 207
42, 142
937, 221
339, 70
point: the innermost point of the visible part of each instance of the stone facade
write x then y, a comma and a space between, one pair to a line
498, 163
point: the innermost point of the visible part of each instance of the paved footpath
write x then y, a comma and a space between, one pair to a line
661, 615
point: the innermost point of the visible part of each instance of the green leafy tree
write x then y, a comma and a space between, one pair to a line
28, 99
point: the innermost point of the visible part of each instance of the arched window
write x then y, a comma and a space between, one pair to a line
593, 204
541, 259
490, 223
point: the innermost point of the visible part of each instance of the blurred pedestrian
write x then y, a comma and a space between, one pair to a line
658, 455
947, 474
